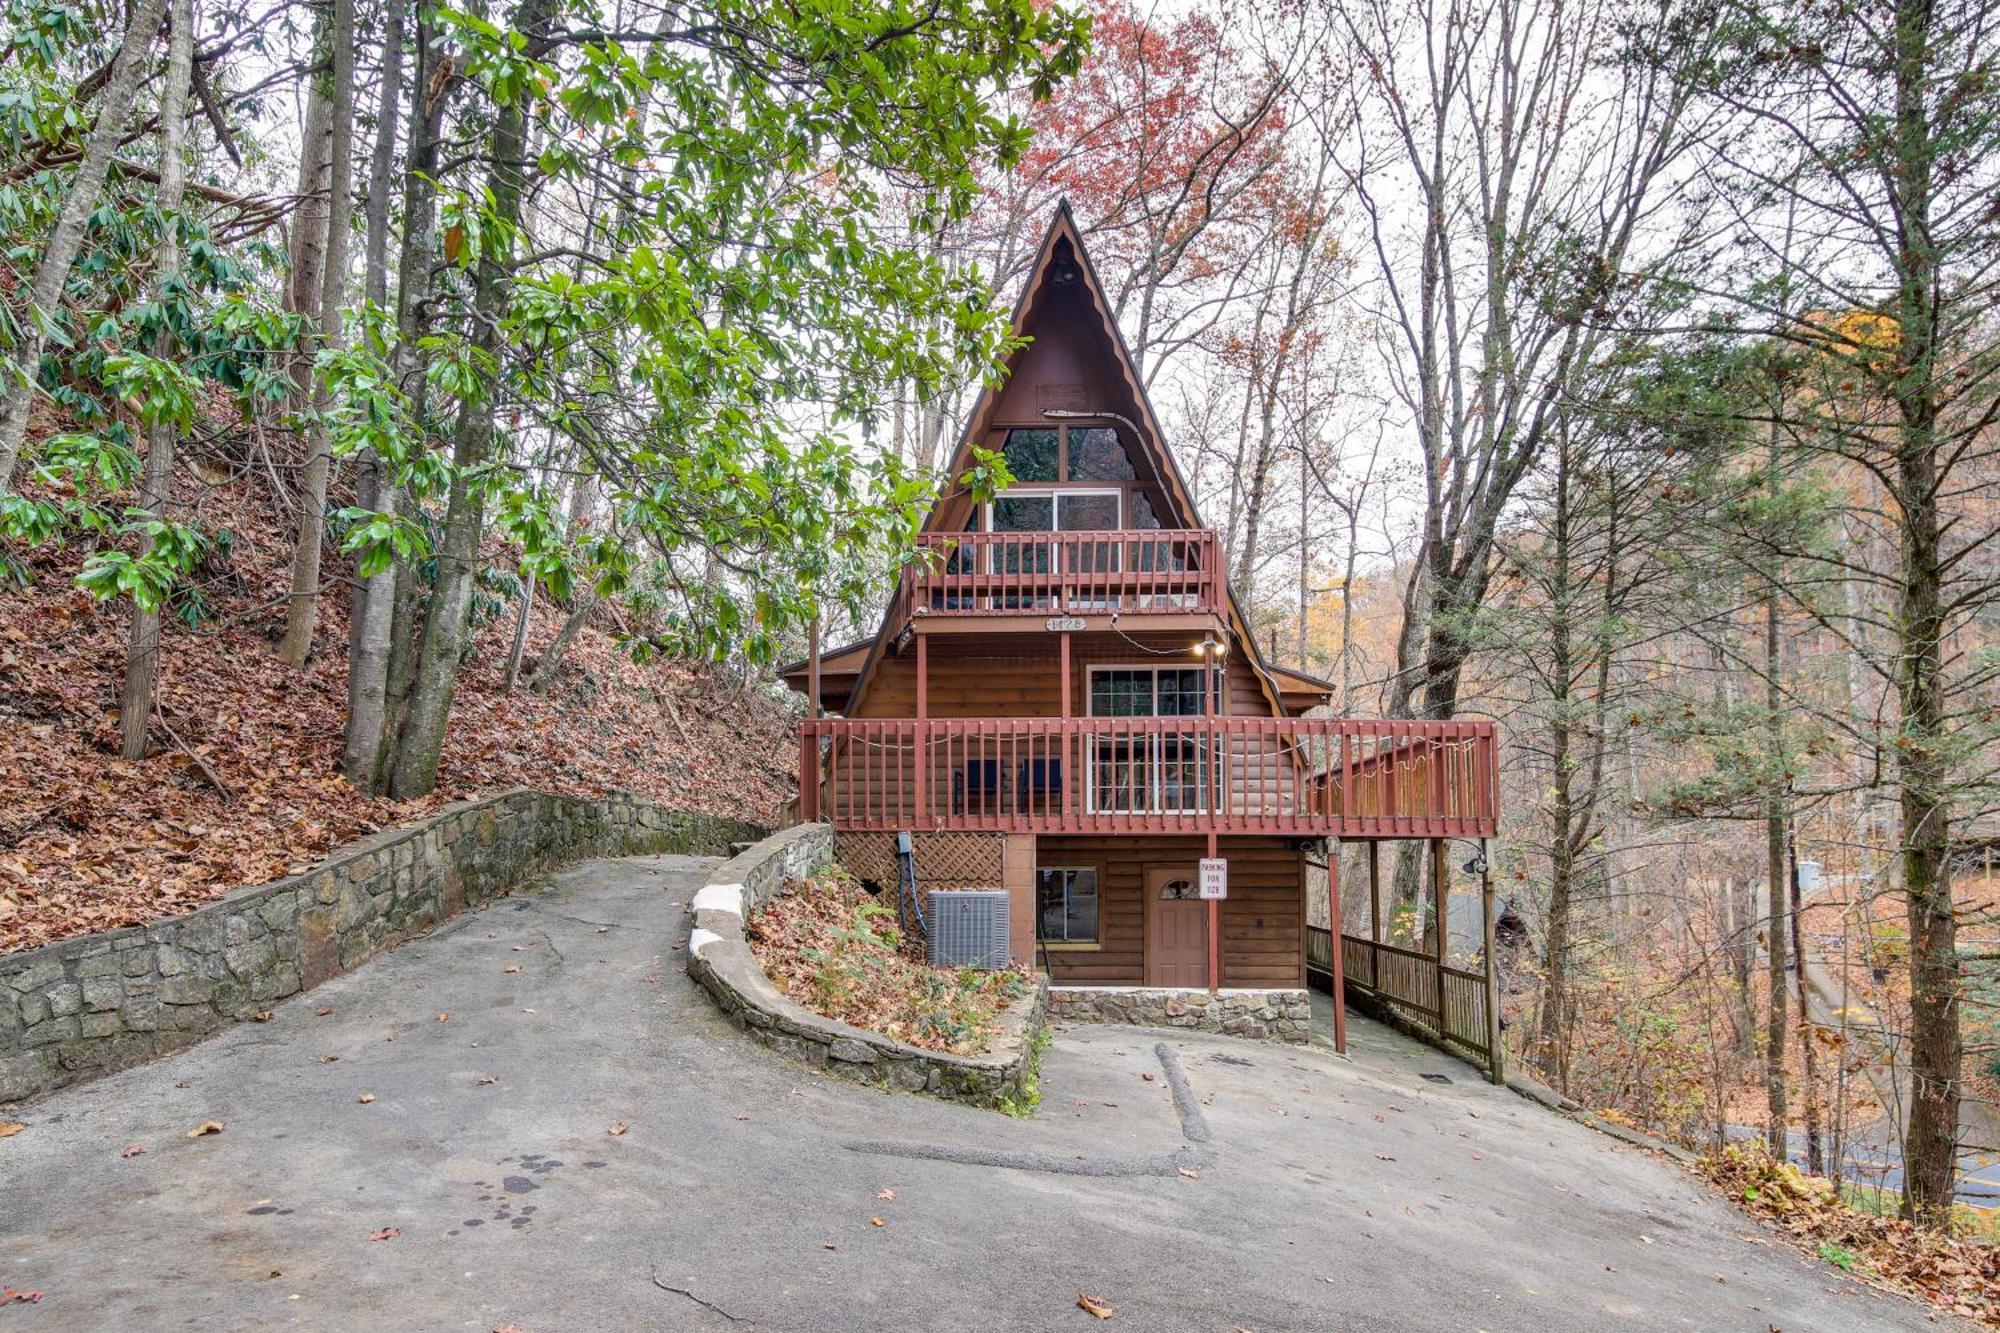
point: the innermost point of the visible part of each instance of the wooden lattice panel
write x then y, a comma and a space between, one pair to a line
945, 860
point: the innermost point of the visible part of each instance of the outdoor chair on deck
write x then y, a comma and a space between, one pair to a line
1041, 785
977, 788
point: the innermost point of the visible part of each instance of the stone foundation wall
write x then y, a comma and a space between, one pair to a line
1268, 1015
86, 1006
720, 960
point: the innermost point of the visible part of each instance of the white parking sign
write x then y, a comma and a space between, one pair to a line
1214, 877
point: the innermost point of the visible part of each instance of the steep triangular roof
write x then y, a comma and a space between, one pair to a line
1062, 247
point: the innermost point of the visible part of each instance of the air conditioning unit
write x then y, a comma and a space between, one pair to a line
969, 928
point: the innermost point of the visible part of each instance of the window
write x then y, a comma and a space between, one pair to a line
1097, 454
1149, 772
1066, 453
1148, 691
1021, 510
1033, 455
1066, 904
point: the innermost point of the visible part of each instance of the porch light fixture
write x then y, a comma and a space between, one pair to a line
1211, 646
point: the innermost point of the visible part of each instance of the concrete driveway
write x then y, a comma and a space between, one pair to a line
1287, 1190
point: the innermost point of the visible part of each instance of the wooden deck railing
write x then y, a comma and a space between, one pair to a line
1313, 777
1448, 1002
1067, 573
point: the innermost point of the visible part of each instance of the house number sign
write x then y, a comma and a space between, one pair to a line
1214, 877
1058, 624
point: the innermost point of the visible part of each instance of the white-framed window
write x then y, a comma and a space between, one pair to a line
1066, 904
1150, 772
1052, 509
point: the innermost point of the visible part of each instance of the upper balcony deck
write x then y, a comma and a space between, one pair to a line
1304, 777
990, 577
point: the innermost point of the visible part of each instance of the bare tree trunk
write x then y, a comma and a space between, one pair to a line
382, 669
520, 636
420, 743
552, 656
17, 379
142, 651
1937, 1043
1777, 816
382, 156
303, 613
1809, 1055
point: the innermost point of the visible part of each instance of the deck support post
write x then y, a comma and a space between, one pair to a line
1441, 923
1214, 930
1065, 674
1337, 963
1440, 899
921, 750
1374, 891
1496, 1068
812, 671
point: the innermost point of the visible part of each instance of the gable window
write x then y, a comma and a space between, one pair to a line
1097, 454
1150, 770
1066, 453
1066, 904
1034, 454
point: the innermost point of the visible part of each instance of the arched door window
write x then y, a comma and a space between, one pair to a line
1179, 890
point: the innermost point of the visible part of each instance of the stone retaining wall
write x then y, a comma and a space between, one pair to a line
720, 960
86, 1006
1271, 1015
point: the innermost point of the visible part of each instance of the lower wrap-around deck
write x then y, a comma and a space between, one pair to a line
1306, 777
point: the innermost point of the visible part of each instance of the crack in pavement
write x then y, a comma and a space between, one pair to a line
706, 1305
1187, 1161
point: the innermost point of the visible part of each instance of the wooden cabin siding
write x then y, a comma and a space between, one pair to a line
1263, 919
997, 680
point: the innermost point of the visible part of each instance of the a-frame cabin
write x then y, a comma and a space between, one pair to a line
1064, 701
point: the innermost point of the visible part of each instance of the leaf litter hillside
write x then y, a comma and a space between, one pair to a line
90, 841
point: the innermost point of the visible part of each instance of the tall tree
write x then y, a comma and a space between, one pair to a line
22, 371
142, 649
1873, 125
302, 611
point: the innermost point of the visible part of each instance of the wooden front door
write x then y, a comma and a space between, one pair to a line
1176, 929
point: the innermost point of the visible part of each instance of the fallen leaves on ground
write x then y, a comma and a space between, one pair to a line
828, 944
323, 1010
511, 967
205, 1127
365, 1098
386, 1233
885, 1194
1092, 1305
617, 1129
443, 1016
132, 1150
877, 1222
9, 1295
1958, 1275
90, 841
11, 1128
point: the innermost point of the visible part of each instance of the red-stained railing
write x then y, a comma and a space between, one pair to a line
1308, 777
1067, 573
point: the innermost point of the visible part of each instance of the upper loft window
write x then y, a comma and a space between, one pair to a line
1034, 455
1096, 454
1067, 453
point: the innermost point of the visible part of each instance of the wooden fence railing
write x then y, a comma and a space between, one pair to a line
1068, 573
1310, 777
1447, 1002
